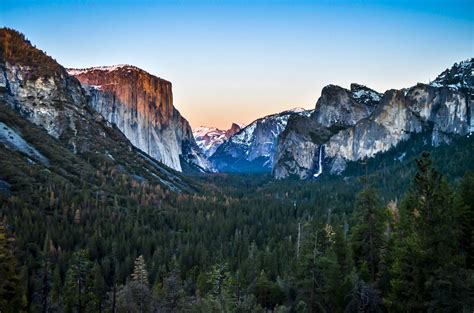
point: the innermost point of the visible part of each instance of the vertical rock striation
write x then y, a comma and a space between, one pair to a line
357, 124
141, 106
42, 92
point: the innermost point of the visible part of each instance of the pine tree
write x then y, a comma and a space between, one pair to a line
46, 276
316, 271
10, 287
140, 274
341, 280
77, 293
367, 235
98, 288
466, 218
221, 297
267, 292
56, 289
173, 293
427, 272
140, 284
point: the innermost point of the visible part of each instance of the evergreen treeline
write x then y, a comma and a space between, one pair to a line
244, 243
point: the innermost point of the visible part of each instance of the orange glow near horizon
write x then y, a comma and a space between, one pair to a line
221, 112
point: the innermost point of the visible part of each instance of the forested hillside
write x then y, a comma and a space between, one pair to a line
393, 234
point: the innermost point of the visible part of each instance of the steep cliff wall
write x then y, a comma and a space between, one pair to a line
441, 110
357, 124
298, 149
141, 106
40, 91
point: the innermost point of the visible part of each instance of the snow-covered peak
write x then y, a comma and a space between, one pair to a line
204, 130
296, 110
210, 138
278, 122
365, 95
254, 147
459, 76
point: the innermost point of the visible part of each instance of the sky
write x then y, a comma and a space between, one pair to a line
236, 61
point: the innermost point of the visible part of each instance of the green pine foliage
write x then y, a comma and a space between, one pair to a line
367, 235
11, 293
239, 243
428, 272
78, 295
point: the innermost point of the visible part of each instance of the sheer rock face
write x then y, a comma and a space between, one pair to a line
53, 102
402, 113
298, 147
42, 92
141, 106
361, 123
252, 149
37, 87
338, 107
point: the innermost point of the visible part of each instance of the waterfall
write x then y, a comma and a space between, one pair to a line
320, 162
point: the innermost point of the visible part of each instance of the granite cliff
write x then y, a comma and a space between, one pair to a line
351, 125
40, 91
141, 106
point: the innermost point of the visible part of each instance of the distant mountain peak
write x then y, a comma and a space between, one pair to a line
295, 110
253, 147
210, 138
459, 77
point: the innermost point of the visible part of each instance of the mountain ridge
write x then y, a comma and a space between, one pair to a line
141, 105
47, 97
253, 147
348, 129
210, 138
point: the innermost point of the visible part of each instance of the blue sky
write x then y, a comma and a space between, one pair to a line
239, 60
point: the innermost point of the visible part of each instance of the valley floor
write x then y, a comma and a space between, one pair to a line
97, 240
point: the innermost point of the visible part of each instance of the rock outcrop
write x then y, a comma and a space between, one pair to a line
298, 148
357, 124
42, 92
439, 110
141, 106
210, 138
339, 108
299, 145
